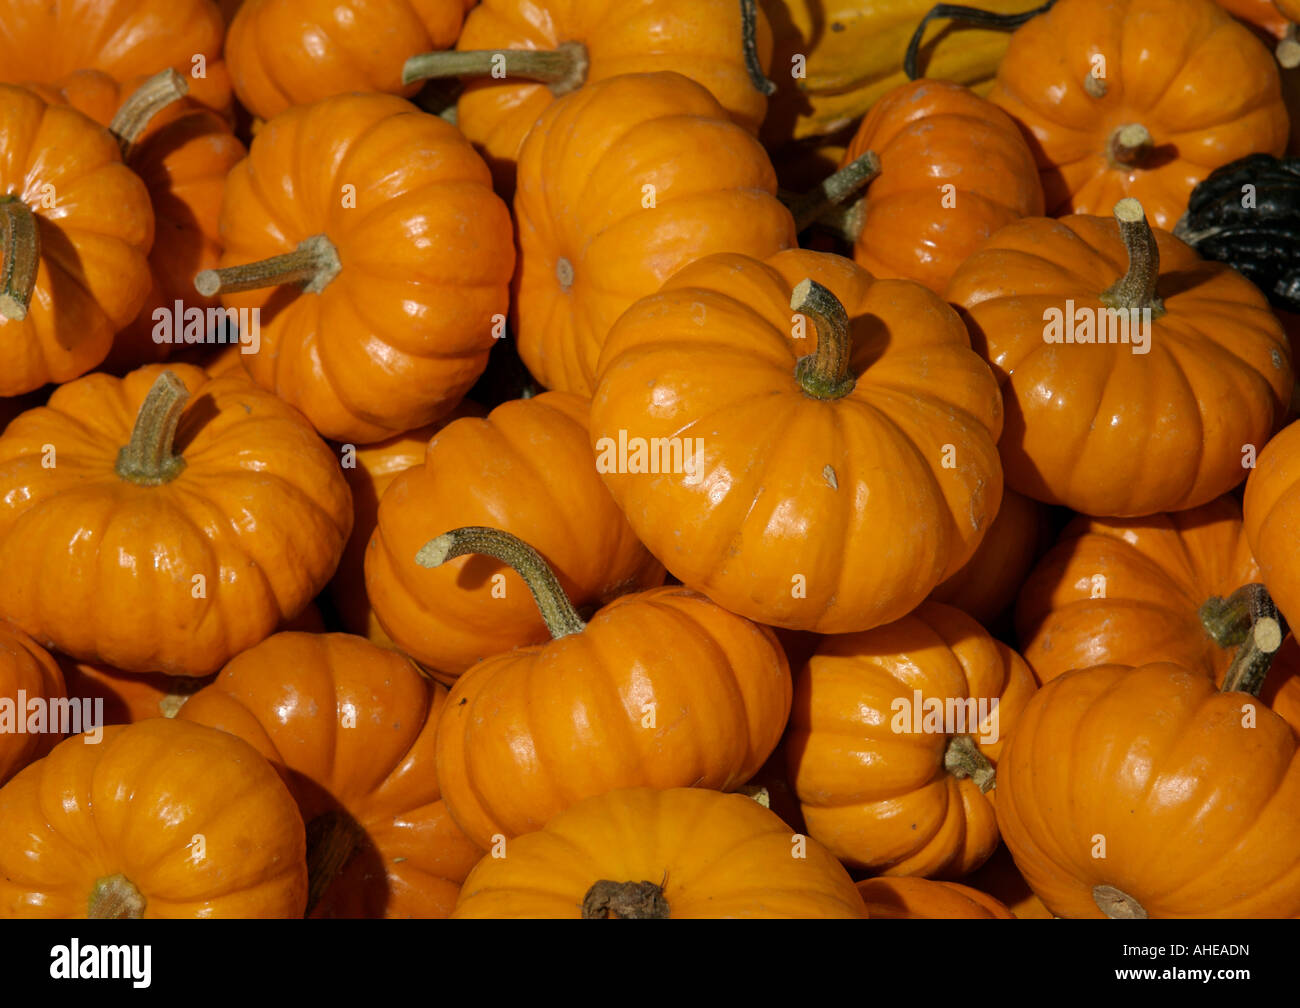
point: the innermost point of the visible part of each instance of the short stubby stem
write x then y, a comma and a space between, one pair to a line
1130, 145
314, 263
825, 373
114, 897
834, 190
148, 458
963, 759
1117, 904
1249, 620
562, 69
607, 900
20, 257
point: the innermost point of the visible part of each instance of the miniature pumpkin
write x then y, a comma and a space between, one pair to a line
927, 899
1271, 510
683, 853
27, 672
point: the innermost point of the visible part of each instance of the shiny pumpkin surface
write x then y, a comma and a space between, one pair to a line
194, 818
26, 668
924, 899
715, 856
788, 489
1272, 518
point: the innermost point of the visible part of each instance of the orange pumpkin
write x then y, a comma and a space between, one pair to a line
157, 559
1140, 98
1000, 878
1127, 393
380, 265
620, 185
350, 727
1261, 14
1272, 518
953, 169
27, 673
925, 899
75, 228
527, 469
895, 739
661, 688
683, 853
161, 819
862, 427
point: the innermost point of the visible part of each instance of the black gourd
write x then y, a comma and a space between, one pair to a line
1260, 241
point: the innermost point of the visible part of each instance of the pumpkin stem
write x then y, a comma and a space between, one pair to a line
1136, 289
1117, 904
20, 257
332, 839
558, 612
1228, 620
113, 897
810, 207
963, 759
1130, 144
607, 900
748, 34
972, 16
149, 99
824, 374
1250, 619
562, 69
147, 459
314, 263
1288, 48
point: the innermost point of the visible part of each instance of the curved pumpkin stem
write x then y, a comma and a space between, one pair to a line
314, 263
114, 897
562, 69
20, 257
607, 900
1249, 620
963, 759
824, 374
148, 459
1136, 289
972, 16
149, 99
556, 609
810, 207
748, 34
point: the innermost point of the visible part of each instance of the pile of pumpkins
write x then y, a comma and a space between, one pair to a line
649, 458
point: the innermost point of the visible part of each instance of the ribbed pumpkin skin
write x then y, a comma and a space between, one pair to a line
581, 198
25, 666
260, 511
716, 855
1197, 810
929, 135
924, 899
526, 469
531, 732
791, 485
1272, 518
881, 800
401, 333
1122, 433
93, 274
1203, 85
1128, 592
291, 52
351, 726
700, 39
133, 804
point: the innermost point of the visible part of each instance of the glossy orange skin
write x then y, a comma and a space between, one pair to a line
287, 52
1197, 809
1272, 517
930, 134
662, 689
371, 472
404, 329
134, 804
716, 855
1202, 84
125, 39
990, 579
1097, 427
1001, 879
581, 201
351, 726
712, 356
25, 666
700, 39
881, 800
925, 899
526, 469
261, 511
1123, 592
93, 275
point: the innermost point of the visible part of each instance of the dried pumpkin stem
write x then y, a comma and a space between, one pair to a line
972, 16
1130, 145
824, 374
148, 459
1136, 289
20, 257
149, 99
314, 263
1251, 617
558, 612
607, 900
1288, 48
114, 897
332, 838
1229, 620
963, 759
562, 69
810, 207
1117, 904
748, 34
